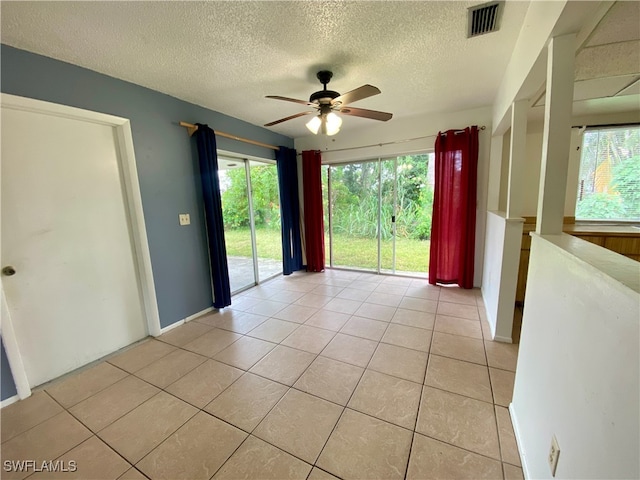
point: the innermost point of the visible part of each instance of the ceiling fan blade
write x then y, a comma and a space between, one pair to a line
287, 99
365, 91
291, 117
363, 112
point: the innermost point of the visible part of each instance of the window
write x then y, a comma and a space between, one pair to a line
379, 214
609, 181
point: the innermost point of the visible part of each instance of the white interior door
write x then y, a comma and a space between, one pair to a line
76, 294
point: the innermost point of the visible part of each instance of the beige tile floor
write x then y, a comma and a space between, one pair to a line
335, 374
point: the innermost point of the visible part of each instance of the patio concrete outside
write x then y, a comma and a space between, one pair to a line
241, 273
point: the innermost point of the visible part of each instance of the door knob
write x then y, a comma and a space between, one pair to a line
8, 271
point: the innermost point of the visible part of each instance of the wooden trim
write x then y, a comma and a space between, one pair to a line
625, 243
532, 220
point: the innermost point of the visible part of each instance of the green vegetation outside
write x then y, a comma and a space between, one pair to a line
609, 181
238, 242
411, 255
355, 210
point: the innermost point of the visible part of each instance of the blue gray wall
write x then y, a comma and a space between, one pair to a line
166, 161
7, 385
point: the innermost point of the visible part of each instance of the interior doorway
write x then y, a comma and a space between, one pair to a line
76, 268
251, 213
378, 214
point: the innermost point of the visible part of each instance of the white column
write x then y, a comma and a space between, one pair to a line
557, 134
495, 166
517, 156
512, 224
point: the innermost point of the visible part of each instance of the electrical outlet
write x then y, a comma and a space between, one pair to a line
554, 453
184, 218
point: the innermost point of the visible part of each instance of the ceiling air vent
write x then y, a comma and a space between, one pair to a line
484, 18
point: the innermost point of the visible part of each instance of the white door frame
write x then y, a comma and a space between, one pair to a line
135, 214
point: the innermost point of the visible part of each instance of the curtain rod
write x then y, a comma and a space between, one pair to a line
191, 128
390, 143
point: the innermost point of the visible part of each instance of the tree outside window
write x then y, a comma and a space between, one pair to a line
609, 181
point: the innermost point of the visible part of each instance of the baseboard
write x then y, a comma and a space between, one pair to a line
171, 327
199, 314
516, 431
187, 319
8, 401
498, 338
492, 327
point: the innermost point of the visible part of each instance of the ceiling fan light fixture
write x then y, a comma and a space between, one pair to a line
333, 123
325, 101
314, 124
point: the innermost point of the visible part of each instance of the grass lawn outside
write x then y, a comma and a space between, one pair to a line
268, 243
411, 255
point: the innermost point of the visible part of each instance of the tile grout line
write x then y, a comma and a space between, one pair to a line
161, 390
249, 434
291, 387
495, 413
344, 409
41, 422
316, 355
424, 380
465, 396
93, 434
353, 392
378, 343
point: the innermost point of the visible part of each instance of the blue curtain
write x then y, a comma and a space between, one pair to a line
208, 157
289, 210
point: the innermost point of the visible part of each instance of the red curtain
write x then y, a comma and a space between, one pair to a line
313, 214
453, 226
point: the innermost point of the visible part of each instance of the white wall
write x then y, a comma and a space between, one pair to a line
525, 71
492, 270
504, 171
532, 171
500, 273
578, 365
398, 130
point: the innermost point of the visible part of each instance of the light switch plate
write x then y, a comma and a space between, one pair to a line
184, 218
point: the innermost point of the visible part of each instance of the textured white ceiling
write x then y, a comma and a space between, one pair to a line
621, 24
608, 66
611, 60
228, 55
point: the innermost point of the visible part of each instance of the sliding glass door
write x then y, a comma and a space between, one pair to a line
251, 212
413, 207
353, 190
266, 219
379, 214
388, 215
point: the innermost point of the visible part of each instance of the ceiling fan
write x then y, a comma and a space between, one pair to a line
327, 103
